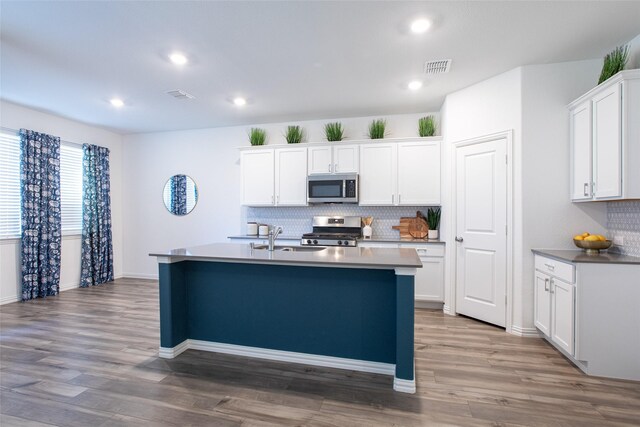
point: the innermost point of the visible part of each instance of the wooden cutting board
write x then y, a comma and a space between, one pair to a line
412, 227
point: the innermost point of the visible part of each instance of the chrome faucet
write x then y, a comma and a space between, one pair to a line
273, 235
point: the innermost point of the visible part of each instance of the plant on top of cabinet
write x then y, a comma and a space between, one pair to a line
377, 128
433, 221
334, 131
257, 136
426, 126
294, 134
614, 62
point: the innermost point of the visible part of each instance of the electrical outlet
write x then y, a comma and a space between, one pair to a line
618, 241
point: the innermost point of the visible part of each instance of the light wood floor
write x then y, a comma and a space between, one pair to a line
89, 358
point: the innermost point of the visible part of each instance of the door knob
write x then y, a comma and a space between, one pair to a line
459, 239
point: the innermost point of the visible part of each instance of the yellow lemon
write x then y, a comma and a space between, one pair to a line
578, 237
585, 234
601, 237
591, 239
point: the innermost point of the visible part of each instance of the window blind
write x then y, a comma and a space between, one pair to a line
9, 185
71, 188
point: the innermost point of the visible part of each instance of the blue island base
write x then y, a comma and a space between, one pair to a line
351, 318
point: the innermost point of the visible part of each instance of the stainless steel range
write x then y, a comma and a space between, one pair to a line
334, 231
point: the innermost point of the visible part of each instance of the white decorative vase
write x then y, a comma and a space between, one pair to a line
433, 235
367, 231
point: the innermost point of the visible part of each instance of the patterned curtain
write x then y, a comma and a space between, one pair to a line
97, 246
179, 195
41, 223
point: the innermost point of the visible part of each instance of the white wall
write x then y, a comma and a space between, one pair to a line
211, 158
15, 117
488, 107
532, 102
634, 53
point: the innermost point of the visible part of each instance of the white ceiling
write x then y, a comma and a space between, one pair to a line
291, 60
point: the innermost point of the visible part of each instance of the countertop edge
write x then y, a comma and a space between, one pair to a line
578, 257
373, 240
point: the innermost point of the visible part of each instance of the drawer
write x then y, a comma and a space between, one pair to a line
425, 249
555, 268
365, 244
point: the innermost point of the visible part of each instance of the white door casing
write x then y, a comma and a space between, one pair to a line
481, 230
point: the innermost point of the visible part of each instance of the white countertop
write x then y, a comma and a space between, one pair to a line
358, 257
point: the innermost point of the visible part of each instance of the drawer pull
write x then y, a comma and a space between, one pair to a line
546, 285
550, 266
551, 287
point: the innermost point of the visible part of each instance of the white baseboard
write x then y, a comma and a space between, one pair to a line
447, 310
138, 276
428, 304
9, 299
404, 386
524, 332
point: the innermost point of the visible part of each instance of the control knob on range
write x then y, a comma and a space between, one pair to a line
308, 241
340, 242
315, 242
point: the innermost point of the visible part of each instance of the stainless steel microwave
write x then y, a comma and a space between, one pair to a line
332, 188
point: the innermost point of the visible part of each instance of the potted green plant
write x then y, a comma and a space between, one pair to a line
433, 221
377, 128
334, 131
257, 136
614, 62
294, 135
426, 126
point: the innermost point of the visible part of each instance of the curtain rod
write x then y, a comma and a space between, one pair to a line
16, 131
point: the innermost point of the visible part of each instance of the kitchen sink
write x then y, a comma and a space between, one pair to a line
291, 248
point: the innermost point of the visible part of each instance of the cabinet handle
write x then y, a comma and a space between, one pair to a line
399, 198
329, 167
551, 286
393, 198
335, 167
459, 239
272, 199
278, 199
550, 266
586, 189
546, 285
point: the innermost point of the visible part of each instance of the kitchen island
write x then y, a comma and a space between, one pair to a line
350, 308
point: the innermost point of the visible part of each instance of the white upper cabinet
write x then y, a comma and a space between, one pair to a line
274, 177
607, 143
419, 173
333, 159
378, 174
291, 177
257, 177
605, 140
400, 174
580, 131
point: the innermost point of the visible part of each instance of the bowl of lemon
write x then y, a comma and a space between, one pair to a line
592, 243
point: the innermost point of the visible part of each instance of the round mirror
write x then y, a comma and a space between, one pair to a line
180, 194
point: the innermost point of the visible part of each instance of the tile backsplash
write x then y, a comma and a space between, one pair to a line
297, 220
623, 221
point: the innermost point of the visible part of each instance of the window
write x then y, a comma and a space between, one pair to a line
9, 185
70, 187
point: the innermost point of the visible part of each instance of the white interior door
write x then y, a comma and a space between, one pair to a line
481, 221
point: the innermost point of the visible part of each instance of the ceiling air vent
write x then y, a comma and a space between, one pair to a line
437, 67
180, 94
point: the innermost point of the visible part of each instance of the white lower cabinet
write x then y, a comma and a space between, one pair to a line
429, 280
554, 302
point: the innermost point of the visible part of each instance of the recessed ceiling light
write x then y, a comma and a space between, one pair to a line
178, 58
415, 85
116, 102
239, 101
419, 26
